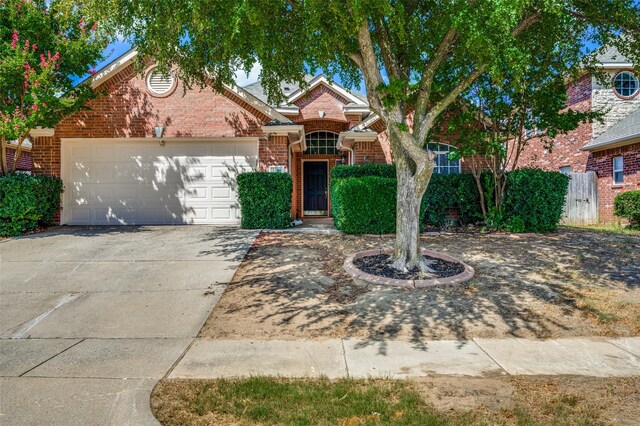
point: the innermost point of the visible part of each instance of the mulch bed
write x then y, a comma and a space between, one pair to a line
380, 265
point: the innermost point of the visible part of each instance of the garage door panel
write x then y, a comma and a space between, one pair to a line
140, 182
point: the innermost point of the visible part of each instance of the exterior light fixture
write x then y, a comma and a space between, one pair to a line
158, 131
321, 114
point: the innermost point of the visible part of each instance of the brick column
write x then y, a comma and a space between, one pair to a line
45, 154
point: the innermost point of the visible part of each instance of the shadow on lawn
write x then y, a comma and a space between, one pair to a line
525, 286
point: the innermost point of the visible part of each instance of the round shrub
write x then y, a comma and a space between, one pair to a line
265, 200
27, 202
627, 206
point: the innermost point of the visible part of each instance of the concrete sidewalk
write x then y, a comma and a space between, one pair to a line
335, 358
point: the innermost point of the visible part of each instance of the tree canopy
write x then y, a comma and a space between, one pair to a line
44, 46
416, 57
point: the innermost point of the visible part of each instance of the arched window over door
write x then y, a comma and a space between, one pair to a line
321, 143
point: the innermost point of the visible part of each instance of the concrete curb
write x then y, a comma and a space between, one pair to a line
352, 270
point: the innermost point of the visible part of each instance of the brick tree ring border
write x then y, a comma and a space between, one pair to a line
353, 270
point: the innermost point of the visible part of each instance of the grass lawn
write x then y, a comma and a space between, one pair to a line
571, 283
435, 401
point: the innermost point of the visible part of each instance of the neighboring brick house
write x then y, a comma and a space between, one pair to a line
611, 149
24, 162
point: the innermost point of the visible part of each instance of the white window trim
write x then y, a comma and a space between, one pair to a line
633, 75
321, 131
447, 153
621, 170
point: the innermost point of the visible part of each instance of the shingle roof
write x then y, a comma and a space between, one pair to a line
611, 55
259, 92
625, 130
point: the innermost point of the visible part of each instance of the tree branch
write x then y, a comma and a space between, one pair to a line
370, 70
388, 57
426, 82
424, 126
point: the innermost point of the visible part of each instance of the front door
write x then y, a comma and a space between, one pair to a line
315, 188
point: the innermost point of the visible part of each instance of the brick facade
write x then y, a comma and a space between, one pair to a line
129, 110
24, 162
565, 150
601, 162
273, 152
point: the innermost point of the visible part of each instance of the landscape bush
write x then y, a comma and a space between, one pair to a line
364, 205
627, 206
265, 200
534, 200
380, 170
27, 202
447, 192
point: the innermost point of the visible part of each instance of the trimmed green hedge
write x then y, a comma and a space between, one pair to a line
534, 200
365, 205
380, 170
265, 200
340, 172
627, 205
446, 192
28, 201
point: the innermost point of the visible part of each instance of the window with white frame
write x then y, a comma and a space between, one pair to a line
444, 165
618, 169
626, 84
565, 169
321, 143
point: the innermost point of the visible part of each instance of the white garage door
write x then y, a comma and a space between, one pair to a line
140, 182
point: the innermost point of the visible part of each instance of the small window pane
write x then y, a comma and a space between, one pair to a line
566, 170
443, 164
618, 163
618, 177
618, 170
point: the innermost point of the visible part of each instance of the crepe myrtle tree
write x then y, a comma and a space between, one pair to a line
508, 113
44, 47
416, 57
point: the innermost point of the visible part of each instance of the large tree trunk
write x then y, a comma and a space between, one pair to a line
412, 184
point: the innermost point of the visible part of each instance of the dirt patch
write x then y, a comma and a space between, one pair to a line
380, 265
571, 283
537, 400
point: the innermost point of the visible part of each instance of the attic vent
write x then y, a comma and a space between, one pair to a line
159, 83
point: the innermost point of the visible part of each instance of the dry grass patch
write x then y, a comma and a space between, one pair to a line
572, 283
428, 401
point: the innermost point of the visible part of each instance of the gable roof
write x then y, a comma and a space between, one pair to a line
121, 62
295, 92
259, 92
610, 57
623, 132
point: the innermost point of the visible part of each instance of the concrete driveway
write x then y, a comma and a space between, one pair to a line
92, 318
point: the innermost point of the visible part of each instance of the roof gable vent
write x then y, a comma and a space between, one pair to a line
160, 83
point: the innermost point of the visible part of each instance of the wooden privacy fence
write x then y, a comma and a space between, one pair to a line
581, 207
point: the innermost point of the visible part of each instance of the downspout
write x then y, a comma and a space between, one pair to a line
352, 155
